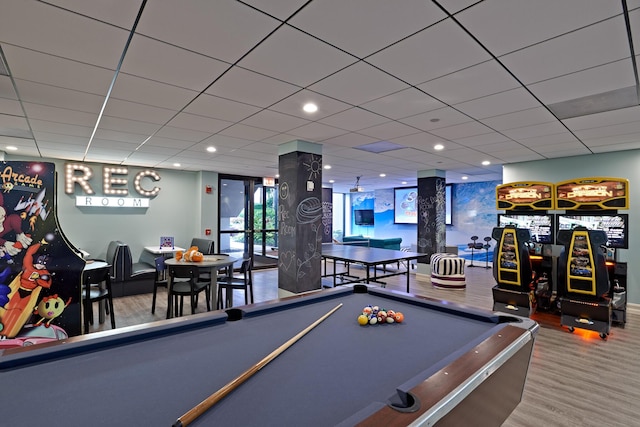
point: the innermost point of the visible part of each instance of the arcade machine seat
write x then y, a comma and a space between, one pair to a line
583, 281
512, 271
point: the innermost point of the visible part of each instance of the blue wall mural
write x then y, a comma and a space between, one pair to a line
473, 214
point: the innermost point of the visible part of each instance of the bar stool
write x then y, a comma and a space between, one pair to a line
486, 247
474, 245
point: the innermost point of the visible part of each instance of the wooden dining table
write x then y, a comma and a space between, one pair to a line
213, 263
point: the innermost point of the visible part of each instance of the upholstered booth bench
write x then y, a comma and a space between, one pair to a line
127, 277
391, 243
447, 271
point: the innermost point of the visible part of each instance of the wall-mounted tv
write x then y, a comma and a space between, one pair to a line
615, 225
363, 217
541, 226
405, 201
406, 205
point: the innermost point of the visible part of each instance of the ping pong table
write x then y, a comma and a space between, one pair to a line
371, 258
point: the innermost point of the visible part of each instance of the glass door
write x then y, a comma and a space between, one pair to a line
248, 219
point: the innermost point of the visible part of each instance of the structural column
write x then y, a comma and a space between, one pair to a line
300, 216
431, 216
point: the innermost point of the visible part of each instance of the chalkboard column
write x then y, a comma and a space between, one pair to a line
431, 216
300, 216
327, 215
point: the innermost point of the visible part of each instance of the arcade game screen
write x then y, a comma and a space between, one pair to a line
540, 226
615, 225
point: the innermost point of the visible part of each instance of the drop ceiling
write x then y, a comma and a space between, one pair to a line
154, 83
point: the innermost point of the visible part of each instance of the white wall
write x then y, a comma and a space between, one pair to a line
624, 164
181, 209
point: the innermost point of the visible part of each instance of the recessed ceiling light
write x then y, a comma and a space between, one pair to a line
382, 175
11, 147
277, 175
327, 166
310, 107
211, 149
177, 165
464, 178
438, 147
486, 163
331, 181
404, 182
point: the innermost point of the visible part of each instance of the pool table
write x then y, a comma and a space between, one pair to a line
444, 363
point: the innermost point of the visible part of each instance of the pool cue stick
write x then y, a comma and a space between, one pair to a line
206, 404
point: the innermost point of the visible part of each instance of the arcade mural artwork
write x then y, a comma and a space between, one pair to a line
40, 273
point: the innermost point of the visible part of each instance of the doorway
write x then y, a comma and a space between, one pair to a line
248, 219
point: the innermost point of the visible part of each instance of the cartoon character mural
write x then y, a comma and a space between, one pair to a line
39, 268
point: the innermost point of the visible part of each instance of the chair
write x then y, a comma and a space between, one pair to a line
160, 280
583, 281
512, 270
474, 245
184, 282
206, 246
244, 282
96, 288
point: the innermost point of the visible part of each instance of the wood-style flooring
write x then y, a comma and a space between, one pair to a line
574, 379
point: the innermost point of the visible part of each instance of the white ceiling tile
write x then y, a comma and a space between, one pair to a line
542, 129
6, 88
358, 84
346, 140
220, 108
119, 139
354, 119
423, 141
421, 57
54, 114
607, 118
463, 85
607, 148
281, 9
558, 139
118, 12
461, 131
175, 144
140, 112
162, 62
45, 28
221, 30
37, 93
247, 132
47, 69
389, 130
293, 104
10, 106
589, 47
532, 116
435, 119
611, 130
405, 103
499, 104
527, 22
182, 134
198, 123
316, 132
274, 121
251, 88
363, 27
143, 91
483, 140
295, 57
61, 128
592, 81
130, 126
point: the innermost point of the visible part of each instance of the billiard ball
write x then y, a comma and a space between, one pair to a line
373, 320
399, 317
363, 319
367, 310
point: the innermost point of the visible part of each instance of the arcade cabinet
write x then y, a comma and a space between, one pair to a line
512, 271
583, 281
